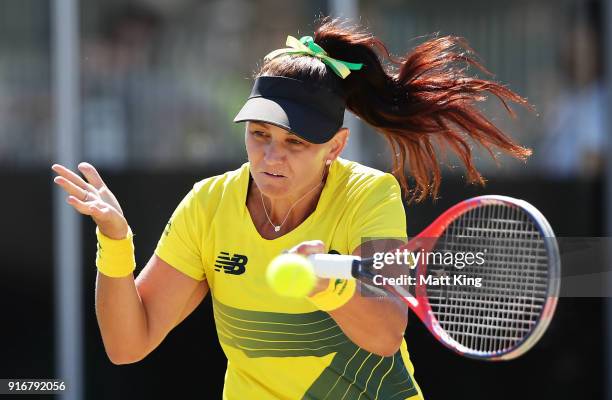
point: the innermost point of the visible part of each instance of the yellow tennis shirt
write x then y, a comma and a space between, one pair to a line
277, 347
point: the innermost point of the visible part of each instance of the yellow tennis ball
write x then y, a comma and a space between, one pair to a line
291, 275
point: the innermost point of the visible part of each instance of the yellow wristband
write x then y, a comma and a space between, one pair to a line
115, 258
337, 294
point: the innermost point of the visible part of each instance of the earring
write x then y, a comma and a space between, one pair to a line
328, 162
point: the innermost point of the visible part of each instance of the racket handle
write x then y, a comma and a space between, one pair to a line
334, 265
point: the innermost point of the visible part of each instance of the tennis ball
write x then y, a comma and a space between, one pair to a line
291, 275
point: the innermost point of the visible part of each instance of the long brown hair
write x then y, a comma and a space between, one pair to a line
417, 102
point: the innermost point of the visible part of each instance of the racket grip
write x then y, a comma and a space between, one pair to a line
334, 265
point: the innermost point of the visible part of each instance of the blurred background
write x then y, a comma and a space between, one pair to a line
159, 82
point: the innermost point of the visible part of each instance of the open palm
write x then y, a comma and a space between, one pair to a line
92, 197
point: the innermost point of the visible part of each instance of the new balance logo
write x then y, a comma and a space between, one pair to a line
231, 264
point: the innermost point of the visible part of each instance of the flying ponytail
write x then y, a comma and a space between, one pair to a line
420, 102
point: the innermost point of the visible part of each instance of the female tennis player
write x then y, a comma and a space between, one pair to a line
296, 193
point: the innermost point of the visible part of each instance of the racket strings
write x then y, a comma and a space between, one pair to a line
500, 313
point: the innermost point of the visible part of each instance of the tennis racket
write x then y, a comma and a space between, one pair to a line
518, 267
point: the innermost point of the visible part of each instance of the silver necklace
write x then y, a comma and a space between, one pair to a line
278, 227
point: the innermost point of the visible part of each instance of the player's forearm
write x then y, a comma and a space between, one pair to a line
122, 318
373, 323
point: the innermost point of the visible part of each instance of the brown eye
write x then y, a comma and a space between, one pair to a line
294, 141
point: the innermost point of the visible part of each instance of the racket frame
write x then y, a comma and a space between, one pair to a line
426, 240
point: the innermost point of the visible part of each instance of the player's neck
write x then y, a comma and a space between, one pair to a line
288, 213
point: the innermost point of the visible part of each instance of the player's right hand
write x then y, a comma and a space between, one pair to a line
305, 249
93, 198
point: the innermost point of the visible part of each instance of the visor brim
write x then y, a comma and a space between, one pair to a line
304, 122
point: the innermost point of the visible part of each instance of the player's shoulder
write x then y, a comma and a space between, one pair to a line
355, 176
223, 189
222, 184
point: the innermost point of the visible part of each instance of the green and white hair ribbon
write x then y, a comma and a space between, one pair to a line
307, 46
